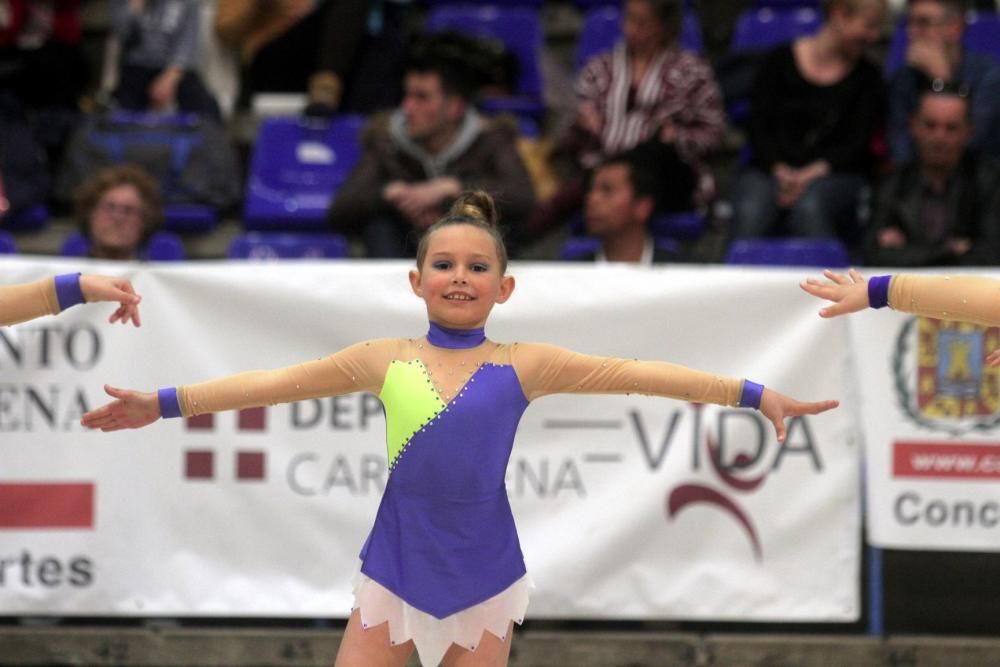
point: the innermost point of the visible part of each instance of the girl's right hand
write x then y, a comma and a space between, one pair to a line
131, 409
776, 407
849, 294
107, 288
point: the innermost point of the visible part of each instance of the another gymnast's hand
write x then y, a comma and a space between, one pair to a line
777, 406
131, 409
849, 294
107, 288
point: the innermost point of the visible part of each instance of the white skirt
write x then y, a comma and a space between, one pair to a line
433, 636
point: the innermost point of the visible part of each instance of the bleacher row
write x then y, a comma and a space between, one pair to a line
298, 163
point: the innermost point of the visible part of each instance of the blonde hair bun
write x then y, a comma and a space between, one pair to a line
475, 204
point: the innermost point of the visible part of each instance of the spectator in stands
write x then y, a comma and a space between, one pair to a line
42, 71
620, 203
40, 58
817, 105
935, 54
345, 55
159, 51
942, 207
118, 209
644, 90
25, 180
418, 158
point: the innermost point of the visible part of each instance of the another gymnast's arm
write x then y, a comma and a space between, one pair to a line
50, 296
360, 367
548, 369
973, 299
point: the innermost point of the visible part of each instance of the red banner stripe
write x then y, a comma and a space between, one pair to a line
946, 460
47, 505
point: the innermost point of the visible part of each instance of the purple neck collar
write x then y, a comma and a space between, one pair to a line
454, 339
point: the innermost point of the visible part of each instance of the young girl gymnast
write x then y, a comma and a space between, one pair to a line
973, 299
50, 296
442, 568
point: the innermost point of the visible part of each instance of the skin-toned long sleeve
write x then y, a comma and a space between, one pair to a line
20, 303
360, 367
961, 298
549, 369
541, 369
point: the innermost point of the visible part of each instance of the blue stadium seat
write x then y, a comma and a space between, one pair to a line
982, 35
189, 218
162, 247
575, 247
602, 28
762, 28
131, 136
682, 226
7, 245
528, 126
519, 28
257, 245
826, 253
296, 168
31, 219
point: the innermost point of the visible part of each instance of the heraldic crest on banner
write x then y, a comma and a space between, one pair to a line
941, 377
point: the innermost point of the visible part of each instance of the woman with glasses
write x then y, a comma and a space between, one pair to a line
118, 209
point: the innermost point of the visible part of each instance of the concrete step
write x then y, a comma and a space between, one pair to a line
270, 647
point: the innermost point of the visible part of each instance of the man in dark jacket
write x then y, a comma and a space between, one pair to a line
620, 203
942, 208
417, 159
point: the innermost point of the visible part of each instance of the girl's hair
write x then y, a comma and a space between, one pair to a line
475, 208
90, 192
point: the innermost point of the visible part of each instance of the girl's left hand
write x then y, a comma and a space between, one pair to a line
108, 288
777, 406
849, 294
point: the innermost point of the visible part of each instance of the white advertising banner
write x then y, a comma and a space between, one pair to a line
931, 418
627, 506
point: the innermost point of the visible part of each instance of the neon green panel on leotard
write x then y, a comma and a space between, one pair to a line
410, 402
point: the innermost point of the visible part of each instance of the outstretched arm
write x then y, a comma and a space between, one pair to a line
359, 367
973, 299
49, 296
548, 369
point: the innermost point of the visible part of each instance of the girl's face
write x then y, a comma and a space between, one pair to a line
460, 277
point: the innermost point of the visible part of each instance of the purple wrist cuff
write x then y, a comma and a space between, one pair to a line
750, 398
68, 291
878, 291
169, 405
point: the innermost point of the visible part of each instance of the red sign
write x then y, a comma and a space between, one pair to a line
47, 505
945, 460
